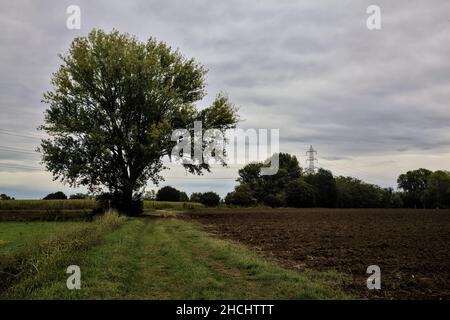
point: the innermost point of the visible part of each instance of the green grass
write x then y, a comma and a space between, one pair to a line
16, 236
148, 258
24, 271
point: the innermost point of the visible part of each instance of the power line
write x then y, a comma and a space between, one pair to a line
19, 150
16, 134
19, 166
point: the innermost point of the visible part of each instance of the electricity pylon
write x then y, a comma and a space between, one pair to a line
311, 160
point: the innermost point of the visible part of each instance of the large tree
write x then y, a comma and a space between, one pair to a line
414, 183
113, 107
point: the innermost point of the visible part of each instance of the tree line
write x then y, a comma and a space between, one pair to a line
292, 187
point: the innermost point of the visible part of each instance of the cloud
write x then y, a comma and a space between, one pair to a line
309, 68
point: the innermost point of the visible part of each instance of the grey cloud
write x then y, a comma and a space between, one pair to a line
309, 68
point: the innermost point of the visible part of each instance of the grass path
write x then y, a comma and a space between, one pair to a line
170, 258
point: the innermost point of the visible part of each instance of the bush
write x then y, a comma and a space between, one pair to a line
79, 196
196, 197
168, 193
274, 201
300, 194
210, 199
55, 196
241, 196
5, 197
183, 197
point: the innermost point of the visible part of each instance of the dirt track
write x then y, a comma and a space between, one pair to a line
412, 247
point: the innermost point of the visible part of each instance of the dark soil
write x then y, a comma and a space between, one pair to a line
412, 247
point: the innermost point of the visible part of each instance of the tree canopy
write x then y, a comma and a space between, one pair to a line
113, 107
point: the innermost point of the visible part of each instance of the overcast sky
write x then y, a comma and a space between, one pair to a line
373, 103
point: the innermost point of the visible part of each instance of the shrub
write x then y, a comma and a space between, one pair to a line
274, 200
5, 197
55, 196
210, 199
168, 193
183, 197
241, 196
196, 197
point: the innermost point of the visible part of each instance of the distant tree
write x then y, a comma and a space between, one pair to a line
59, 195
5, 197
210, 199
241, 197
183, 197
300, 194
354, 193
437, 193
391, 199
196, 197
263, 185
168, 193
414, 183
325, 185
114, 104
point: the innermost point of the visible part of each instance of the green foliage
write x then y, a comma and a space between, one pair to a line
288, 187
242, 196
183, 197
210, 199
414, 183
354, 193
79, 196
325, 187
196, 197
168, 193
113, 107
262, 185
437, 193
5, 197
300, 194
55, 196
275, 200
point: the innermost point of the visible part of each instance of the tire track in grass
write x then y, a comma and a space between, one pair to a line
183, 262
172, 270
175, 259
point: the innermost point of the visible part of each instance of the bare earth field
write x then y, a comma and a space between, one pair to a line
412, 247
